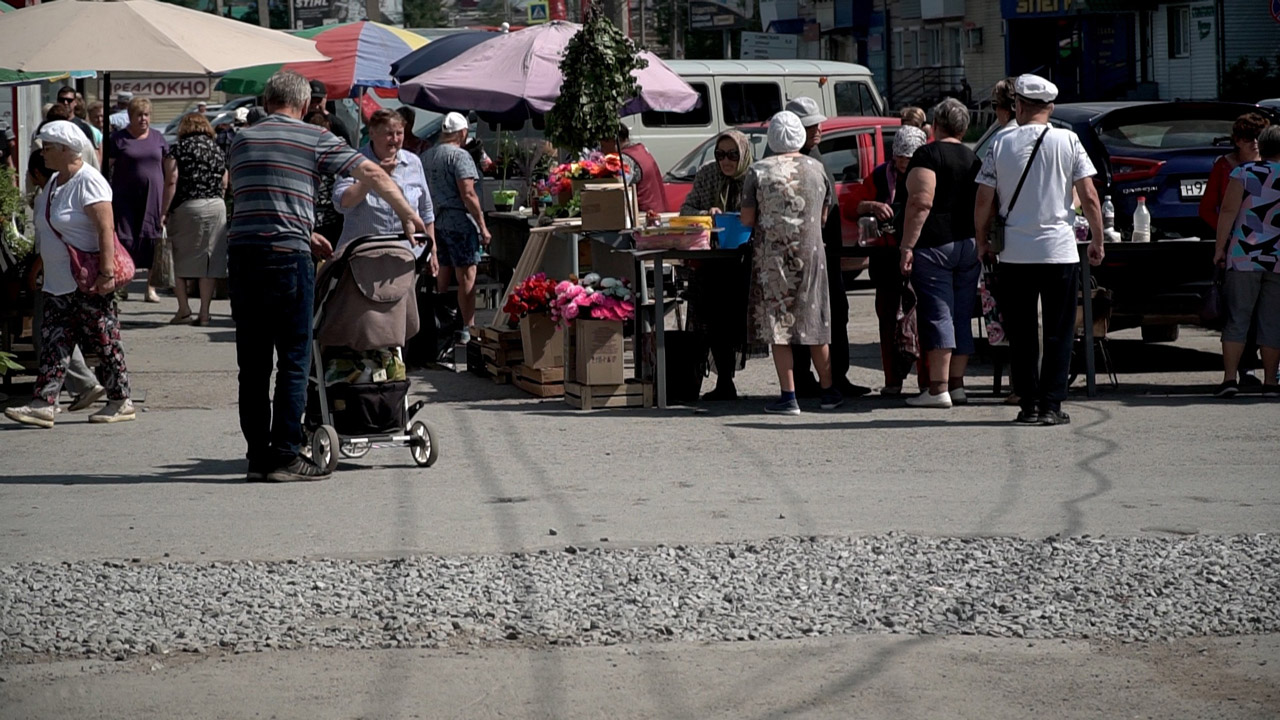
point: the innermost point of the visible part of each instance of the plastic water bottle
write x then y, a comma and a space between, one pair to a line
1142, 222
1109, 231
1081, 227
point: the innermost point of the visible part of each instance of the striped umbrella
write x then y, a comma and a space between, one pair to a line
362, 54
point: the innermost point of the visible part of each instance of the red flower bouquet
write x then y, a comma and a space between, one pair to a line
533, 295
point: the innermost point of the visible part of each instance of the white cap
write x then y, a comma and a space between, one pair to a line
807, 110
124, 96
1034, 87
62, 132
786, 132
453, 122
242, 114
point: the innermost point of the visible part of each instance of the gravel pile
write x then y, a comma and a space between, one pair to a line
1119, 588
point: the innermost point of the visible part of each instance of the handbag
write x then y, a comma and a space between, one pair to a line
85, 263
1213, 307
991, 316
996, 237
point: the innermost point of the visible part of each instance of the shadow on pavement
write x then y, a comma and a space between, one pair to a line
199, 470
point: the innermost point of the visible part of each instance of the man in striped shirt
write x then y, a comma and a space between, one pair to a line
275, 167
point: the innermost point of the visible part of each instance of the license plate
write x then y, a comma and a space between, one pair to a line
1189, 189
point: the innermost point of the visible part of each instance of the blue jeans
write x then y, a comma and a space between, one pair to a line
271, 302
945, 279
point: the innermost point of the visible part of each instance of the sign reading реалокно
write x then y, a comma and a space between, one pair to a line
171, 88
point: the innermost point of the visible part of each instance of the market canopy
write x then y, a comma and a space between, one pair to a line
438, 52
17, 77
517, 75
362, 54
139, 36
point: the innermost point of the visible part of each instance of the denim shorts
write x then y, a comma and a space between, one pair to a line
1250, 295
457, 244
945, 279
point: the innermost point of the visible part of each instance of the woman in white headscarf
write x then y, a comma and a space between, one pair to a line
785, 198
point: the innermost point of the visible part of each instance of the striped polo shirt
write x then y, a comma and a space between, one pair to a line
276, 166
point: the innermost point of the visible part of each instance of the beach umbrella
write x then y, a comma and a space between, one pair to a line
139, 36
520, 75
438, 52
362, 54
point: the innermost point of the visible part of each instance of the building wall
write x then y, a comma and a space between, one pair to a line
1194, 74
1249, 30
984, 66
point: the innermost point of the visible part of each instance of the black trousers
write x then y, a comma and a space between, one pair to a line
1040, 382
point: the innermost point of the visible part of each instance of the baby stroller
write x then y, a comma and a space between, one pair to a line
358, 395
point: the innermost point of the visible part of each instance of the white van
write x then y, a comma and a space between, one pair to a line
740, 92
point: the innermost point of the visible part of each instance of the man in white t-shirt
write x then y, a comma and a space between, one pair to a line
1040, 261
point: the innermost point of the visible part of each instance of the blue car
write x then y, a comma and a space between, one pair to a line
1162, 151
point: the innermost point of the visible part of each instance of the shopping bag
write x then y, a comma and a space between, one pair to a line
990, 311
161, 276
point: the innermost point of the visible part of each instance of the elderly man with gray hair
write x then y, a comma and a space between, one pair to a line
939, 254
275, 166
1032, 169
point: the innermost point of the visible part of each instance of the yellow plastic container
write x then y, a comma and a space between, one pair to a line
698, 221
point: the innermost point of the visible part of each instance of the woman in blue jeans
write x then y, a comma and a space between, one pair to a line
938, 253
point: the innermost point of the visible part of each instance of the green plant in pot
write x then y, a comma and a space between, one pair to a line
597, 82
17, 250
504, 199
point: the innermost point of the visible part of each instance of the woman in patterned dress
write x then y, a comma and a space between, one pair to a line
785, 198
196, 215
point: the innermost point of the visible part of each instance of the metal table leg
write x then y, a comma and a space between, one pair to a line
1090, 372
659, 333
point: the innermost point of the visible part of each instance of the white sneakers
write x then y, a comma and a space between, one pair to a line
928, 400
39, 416
115, 411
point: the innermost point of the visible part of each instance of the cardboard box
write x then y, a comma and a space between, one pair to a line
609, 207
598, 352
543, 341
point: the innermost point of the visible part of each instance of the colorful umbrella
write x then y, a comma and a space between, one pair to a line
362, 54
521, 78
440, 51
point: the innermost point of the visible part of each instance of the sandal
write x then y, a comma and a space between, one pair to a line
202, 322
182, 319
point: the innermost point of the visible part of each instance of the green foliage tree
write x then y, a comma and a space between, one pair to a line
597, 82
1251, 80
425, 14
279, 16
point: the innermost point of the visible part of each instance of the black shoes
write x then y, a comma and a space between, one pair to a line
1027, 417
300, 470
1054, 417
1227, 389
724, 393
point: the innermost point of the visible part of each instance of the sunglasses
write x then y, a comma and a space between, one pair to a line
731, 155
67, 100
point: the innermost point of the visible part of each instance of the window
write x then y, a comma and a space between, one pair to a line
897, 48
842, 155
700, 116
1180, 31
932, 50
849, 100
908, 45
745, 103
869, 104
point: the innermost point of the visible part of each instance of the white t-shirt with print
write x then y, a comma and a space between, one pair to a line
1040, 228
66, 205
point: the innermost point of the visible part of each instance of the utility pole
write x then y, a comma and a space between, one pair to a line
264, 13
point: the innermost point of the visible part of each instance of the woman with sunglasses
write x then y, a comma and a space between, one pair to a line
718, 290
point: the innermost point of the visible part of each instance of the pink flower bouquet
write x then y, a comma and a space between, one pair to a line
592, 297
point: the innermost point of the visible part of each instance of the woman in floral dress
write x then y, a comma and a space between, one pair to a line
785, 198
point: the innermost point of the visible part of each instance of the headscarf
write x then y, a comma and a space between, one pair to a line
729, 188
786, 132
907, 140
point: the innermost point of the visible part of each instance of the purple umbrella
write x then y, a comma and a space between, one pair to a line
517, 75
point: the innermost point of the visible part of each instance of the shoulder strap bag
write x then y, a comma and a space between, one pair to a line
996, 238
85, 263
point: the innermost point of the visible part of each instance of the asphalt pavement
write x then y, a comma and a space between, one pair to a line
1157, 456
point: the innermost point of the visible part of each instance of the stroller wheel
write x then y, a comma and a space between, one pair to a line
356, 450
422, 444
324, 447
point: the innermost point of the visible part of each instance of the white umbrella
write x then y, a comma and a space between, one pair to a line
140, 36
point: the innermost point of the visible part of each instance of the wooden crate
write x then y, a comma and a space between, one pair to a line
499, 375
500, 348
539, 382
632, 393
475, 359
